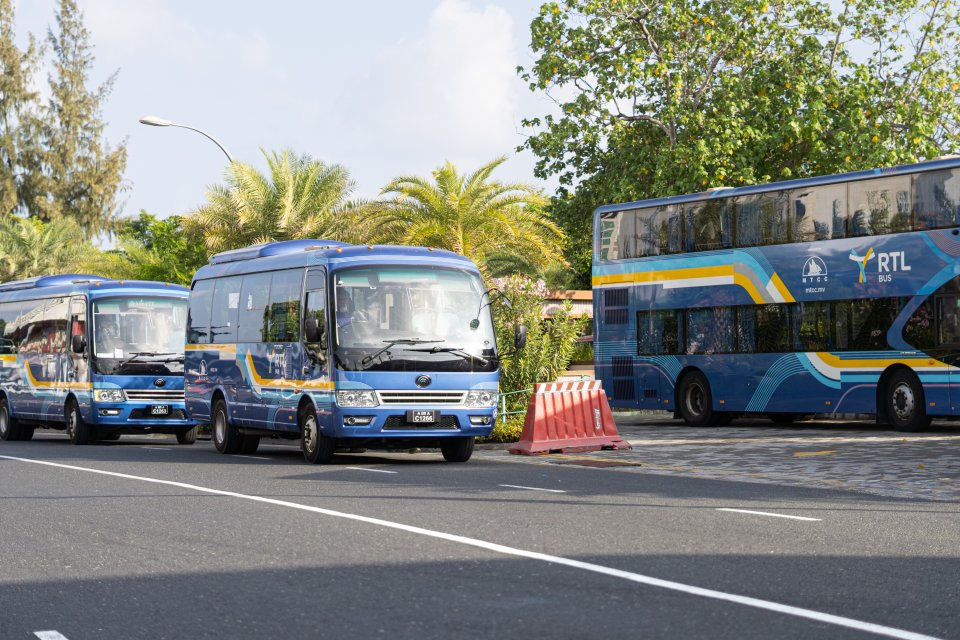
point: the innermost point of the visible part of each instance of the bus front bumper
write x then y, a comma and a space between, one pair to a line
398, 422
140, 415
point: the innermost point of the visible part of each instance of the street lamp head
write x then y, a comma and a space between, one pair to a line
154, 121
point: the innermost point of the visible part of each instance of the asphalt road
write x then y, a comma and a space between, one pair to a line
147, 539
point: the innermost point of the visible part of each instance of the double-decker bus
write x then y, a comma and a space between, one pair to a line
95, 357
829, 295
341, 345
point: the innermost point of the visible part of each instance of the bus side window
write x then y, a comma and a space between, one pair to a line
315, 325
919, 330
198, 322
936, 199
948, 325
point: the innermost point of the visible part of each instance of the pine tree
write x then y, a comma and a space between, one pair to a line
82, 176
17, 107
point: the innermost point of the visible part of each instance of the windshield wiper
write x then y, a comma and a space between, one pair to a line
140, 354
392, 343
457, 351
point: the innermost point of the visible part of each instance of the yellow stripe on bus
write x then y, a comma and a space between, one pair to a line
283, 383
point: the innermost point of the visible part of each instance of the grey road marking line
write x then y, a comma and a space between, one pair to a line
748, 601
369, 469
765, 513
49, 635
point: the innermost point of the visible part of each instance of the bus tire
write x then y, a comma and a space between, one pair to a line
10, 428
250, 444
317, 448
187, 437
226, 438
78, 430
457, 449
696, 401
906, 405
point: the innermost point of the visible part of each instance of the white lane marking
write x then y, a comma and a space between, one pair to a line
368, 469
767, 605
49, 635
157, 448
517, 486
250, 457
775, 515
800, 440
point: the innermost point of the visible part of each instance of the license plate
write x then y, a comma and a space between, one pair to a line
423, 416
159, 409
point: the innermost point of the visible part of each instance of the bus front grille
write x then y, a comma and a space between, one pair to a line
413, 397
400, 422
150, 395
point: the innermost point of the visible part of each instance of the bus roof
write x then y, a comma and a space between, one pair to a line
271, 256
951, 162
70, 283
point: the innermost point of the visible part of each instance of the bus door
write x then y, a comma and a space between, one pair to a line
77, 343
316, 361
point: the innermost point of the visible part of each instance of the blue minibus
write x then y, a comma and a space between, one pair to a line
341, 345
95, 357
837, 294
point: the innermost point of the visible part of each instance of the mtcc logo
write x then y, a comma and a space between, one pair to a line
888, 263
814, 270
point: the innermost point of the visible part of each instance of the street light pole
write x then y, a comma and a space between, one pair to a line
154, 121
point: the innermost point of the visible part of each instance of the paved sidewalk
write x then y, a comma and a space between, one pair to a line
850, 455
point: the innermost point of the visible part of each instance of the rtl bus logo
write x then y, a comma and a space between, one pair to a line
888, 263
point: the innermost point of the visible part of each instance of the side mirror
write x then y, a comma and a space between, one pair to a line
78, 343
519, 337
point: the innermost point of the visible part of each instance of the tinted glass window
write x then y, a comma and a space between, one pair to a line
658, 332
812, 327
819, 213
762, 219
9, 340
862, 325
55, 314
879, 206
709, 330
618, 235
226, 307
707, 225
936, 199
284, 313
254, 297
198, 323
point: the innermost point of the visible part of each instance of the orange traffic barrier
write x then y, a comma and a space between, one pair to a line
566, 417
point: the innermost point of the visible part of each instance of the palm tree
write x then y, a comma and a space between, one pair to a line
300, 198
489, 222
30, 247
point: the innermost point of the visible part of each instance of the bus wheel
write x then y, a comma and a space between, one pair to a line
457, 449
250, 444
226, 438
187, 437
906, 408
78, 431
9, 429
696, 402
317, 448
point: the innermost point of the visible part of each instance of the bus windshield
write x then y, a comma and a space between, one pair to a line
139, 336
418, 318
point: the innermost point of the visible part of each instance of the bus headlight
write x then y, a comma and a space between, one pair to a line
481, 399
109, 395
356, 398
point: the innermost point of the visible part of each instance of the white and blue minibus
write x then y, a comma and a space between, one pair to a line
95, 357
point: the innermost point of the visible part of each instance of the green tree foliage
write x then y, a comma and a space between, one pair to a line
300, 198
73, 172
550, 343
18, 105
151, 249
30, 247
658, 99
499, 226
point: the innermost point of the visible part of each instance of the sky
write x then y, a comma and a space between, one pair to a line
382, 87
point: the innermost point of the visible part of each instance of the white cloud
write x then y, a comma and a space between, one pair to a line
453, 88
